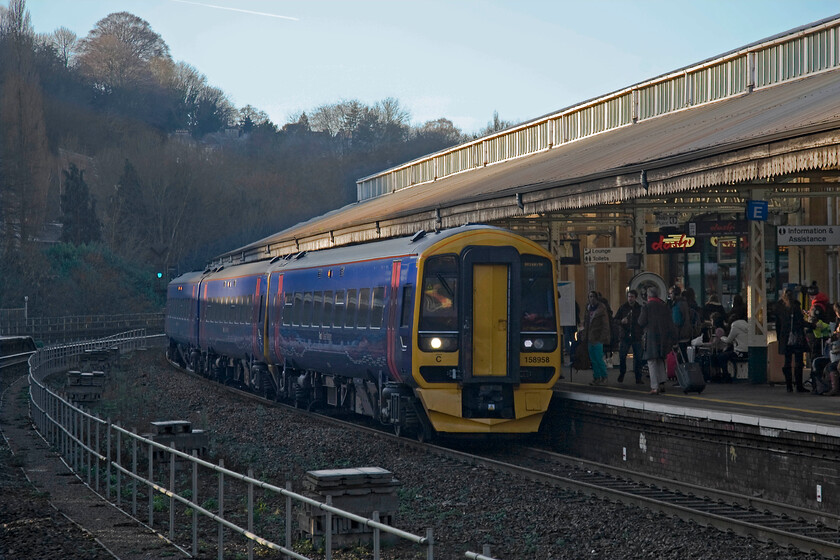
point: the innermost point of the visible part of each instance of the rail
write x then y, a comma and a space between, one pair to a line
801, 52
102, 453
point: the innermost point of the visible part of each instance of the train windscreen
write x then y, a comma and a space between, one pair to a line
439, 308
538, 295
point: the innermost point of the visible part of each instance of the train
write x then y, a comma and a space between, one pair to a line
445, 332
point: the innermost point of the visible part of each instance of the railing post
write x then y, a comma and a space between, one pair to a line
221, 543
134, 472
250, 512
108, 461
376, 536
89, 451
288, 516
172, 490
430, 539
98, 460
119, 471
151, 480
195, 502
328, 531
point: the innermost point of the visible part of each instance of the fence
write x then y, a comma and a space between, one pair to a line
104, 455
56, 330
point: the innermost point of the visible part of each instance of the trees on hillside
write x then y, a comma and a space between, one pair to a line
24, 155
80, 222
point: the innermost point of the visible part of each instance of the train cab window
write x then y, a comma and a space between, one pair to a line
288, 305
338, 317
328, 309
306, 319
350, 310
297, 309
439, 306
538, 305
317, 308
378, 308
364, 308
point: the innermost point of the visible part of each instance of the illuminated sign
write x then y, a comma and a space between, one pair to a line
657, 243
720, 228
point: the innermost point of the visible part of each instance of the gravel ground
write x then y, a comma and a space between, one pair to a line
29, 526
466, 507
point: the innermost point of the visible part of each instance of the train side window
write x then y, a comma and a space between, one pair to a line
378, 307
364, 308
305, 321
317, 308
350, 310
297, 309
407, 305
287, 308
338, 318
328, 309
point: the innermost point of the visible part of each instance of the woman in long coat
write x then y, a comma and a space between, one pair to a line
660, 337
789, 316
598, 334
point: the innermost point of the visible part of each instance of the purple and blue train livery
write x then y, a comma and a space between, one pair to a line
452, 332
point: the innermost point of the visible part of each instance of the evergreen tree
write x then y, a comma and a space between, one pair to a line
81, 226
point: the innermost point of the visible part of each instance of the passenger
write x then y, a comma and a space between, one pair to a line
660, 337
831, 370
737, 347
713, 305
695, 312
681, 317
738, 311
819, 315
630, 336
790, 321
596, 328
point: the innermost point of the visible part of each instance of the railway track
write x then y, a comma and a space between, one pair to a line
805, 530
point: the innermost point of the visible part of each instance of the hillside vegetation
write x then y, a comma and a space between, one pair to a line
117, 163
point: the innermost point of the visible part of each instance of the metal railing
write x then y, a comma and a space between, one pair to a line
802, 52
54, 330
102, 454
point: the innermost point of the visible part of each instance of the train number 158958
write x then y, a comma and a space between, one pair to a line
536, 359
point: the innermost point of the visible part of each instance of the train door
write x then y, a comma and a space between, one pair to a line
490, 275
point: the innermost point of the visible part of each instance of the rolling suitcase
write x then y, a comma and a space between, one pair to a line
689, 374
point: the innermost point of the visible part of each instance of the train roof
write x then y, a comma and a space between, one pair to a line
385, 249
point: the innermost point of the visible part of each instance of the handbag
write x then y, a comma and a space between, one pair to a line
795, 340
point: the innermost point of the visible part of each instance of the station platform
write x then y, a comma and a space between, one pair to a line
743, 402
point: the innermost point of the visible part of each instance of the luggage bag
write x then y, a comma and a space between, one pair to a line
689, 374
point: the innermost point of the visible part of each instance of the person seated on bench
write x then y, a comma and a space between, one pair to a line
738, 347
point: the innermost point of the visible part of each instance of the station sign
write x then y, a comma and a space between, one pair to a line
606, 254
719, 228
666, 220
808, 235
658, 243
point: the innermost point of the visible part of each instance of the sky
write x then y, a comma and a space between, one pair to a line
461, 60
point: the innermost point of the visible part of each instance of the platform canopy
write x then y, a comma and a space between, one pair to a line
764, 116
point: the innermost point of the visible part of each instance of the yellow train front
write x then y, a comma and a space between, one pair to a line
483, 338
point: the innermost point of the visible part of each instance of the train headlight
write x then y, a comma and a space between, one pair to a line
538, 342
438, 342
